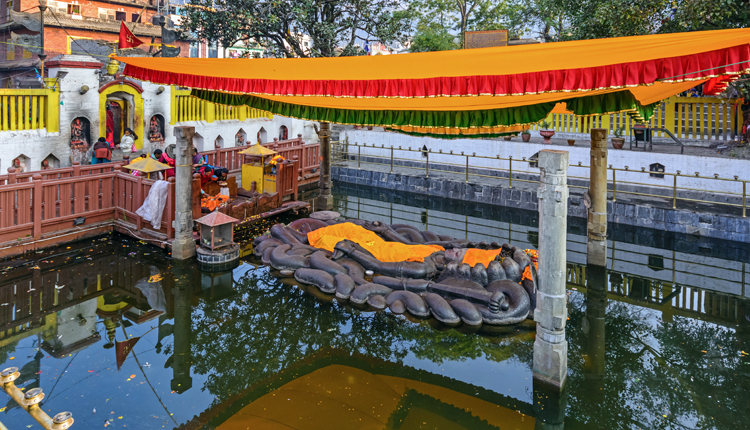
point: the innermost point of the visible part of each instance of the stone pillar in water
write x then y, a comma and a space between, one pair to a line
182, 361
325, 198
550, 347
183, 246
597, 216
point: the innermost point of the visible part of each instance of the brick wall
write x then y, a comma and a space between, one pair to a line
91, 8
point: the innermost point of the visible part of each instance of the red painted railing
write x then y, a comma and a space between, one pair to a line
40, 206
14, 177
308, 155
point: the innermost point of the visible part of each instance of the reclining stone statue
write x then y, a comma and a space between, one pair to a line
456, 281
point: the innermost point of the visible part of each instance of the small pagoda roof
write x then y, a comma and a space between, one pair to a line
258, 151
146, 165
216, 218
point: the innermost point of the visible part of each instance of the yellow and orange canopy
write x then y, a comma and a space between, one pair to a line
476, 91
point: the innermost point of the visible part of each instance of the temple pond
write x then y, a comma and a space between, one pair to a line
119, 335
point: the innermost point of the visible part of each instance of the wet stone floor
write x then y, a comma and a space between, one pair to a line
115, 332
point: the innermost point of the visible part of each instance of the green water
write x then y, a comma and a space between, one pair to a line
656, 339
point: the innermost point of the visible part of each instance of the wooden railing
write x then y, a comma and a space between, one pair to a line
286, 182
295, 149
308, 155
14, 177
34, 208
698, 118
185, 107
29, 109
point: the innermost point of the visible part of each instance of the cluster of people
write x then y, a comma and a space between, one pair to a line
103, 149
207, 172
163, 158
103, 154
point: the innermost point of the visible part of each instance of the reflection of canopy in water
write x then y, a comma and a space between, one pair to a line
475, 91
343, 397
334, 390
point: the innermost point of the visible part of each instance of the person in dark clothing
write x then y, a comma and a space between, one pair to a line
102, 152
221, 174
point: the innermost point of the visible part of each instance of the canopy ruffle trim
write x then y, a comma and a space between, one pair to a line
482, 121
728, 61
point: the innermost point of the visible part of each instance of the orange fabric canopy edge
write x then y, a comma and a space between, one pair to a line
645, 94
508, 60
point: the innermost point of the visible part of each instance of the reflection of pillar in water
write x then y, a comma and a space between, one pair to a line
596, 307
182, 291
549, 406
110, 327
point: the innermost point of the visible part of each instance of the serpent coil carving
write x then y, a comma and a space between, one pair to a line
441, 286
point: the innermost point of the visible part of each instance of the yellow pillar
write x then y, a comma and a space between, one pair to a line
172, 105
53, 111
210, 109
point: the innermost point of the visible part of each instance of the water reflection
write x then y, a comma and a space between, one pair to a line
114, 326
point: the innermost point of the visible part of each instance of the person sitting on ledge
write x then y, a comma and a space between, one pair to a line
102, 152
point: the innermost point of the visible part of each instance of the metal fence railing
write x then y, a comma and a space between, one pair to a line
712, 289
672, 187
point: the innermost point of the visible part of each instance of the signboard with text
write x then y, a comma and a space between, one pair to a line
486, 39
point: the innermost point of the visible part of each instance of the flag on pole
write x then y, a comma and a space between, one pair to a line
127, 39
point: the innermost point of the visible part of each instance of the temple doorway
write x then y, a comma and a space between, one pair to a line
121, 107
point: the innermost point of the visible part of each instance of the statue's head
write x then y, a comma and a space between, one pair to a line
455, 254
375, 226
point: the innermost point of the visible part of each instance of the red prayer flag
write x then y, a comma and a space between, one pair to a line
123, 348
127, 39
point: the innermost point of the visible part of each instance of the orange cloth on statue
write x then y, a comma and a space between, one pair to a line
474, 256
534, 256
387, 252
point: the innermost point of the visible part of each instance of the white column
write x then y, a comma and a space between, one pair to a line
550, 347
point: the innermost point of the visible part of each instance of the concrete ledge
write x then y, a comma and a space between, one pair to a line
642, 215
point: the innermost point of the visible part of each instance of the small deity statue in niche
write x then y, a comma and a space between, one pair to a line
78, 132
45, 165
154, 130
19, 165
239, 139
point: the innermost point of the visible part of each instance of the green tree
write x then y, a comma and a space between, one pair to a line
333, 26
459, 16
591, 19
433, 37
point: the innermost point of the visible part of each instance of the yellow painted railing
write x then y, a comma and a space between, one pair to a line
699, 118
187, 108
29, 109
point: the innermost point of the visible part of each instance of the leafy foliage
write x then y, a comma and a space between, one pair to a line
433, 37
442, 17
333, 26
589, 19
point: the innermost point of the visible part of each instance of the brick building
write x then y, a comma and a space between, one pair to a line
70, 27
